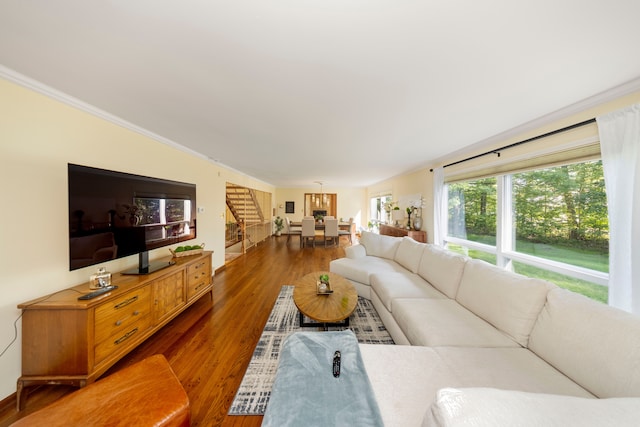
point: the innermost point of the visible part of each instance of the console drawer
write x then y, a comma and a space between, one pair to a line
122, 339
198, 277
116, 316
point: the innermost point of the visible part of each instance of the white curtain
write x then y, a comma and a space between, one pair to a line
439, 207
620, 148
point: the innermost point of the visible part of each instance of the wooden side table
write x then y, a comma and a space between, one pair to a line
417, 235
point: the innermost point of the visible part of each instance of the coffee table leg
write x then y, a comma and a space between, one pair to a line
325, 326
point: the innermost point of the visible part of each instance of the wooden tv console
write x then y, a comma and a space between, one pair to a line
71, 341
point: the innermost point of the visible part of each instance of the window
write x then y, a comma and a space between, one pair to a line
547, 223
472, 210
377, 211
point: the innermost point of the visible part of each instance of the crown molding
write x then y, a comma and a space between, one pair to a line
548, 119
71, 101
39, 87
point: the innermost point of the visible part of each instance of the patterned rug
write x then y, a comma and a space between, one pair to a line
253, 395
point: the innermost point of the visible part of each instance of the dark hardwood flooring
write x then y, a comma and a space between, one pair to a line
209, 345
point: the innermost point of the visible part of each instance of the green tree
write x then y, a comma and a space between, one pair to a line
562, 204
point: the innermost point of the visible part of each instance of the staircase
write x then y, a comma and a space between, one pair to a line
243, 204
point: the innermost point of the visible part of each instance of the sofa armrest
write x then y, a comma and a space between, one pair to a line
355, 251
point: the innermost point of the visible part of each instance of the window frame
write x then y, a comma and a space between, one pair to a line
504, 250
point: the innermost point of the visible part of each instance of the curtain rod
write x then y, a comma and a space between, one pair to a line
515, 144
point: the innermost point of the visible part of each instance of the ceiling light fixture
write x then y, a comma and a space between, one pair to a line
320, 200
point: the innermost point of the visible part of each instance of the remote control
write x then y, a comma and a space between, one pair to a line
98, 292
336, 364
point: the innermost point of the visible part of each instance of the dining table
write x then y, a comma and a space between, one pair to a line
343, 225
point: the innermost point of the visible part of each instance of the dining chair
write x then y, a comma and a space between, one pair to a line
308, 231
293, 227
331, 231
297, 231
348, 232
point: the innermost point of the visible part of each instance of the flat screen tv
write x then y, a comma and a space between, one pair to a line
116, 214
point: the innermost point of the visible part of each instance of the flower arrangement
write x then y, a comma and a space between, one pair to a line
389, 206
414, 205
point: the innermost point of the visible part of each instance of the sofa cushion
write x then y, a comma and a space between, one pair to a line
509, 301
409, 253
489, 407
509, 368
595, 345
444, 322
405, 378
391, 285
380, 246
359, 270
355, 251
442, 268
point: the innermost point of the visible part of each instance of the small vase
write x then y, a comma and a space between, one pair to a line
417, 223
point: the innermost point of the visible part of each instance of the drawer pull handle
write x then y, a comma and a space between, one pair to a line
200, 285
125, 336
127, 302
119, 322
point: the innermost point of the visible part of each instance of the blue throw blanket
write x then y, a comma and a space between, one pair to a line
305, 391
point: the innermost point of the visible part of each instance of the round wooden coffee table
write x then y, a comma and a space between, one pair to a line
334, 308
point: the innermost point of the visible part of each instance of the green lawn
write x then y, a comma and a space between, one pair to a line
592, 290
592, 259
583, 258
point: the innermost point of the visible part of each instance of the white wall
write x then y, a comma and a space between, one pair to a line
38, 137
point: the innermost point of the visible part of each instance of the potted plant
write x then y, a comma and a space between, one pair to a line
323, 284
279, 223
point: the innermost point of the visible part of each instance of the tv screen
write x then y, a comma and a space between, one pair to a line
116, 214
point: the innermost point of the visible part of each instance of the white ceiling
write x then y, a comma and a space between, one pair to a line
349, 92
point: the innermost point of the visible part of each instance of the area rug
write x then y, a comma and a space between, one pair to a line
253, 395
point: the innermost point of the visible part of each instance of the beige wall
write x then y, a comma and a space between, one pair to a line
38, 137
403, 187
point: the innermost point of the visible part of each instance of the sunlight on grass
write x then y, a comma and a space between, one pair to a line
591, 290
591, 259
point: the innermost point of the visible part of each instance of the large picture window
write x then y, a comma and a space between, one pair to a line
548, 223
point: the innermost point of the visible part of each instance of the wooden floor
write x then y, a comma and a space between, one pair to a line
209, 346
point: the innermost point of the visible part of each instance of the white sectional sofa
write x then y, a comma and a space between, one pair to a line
476, 336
